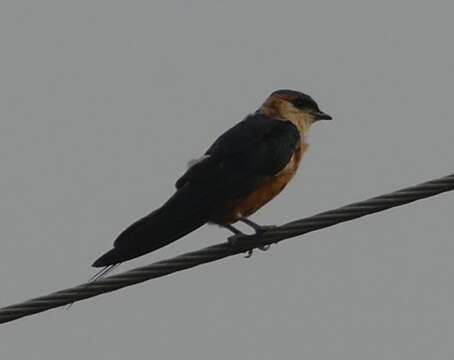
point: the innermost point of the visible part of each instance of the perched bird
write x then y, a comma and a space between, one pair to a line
246, 167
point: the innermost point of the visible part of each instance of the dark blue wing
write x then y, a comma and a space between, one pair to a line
243, 135
245, 155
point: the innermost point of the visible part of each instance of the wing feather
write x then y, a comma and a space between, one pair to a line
254, 149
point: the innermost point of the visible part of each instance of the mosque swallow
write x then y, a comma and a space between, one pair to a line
241, 171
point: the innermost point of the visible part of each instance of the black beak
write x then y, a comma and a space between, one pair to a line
320, 115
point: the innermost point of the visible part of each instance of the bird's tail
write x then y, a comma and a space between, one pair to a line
187, 210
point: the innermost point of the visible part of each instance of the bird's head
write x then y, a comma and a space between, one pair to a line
293, 106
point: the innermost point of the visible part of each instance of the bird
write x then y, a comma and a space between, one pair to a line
245, 168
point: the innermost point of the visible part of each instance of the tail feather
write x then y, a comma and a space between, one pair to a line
185, 212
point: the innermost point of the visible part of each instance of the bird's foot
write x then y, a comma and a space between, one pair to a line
235, 242
259, 230
259, 233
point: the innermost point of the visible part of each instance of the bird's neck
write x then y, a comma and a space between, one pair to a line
284, 111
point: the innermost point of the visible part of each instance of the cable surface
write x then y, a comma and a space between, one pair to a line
216, 252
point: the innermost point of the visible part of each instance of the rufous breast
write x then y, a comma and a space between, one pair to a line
266, 191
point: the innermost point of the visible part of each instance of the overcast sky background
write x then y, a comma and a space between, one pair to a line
102, 104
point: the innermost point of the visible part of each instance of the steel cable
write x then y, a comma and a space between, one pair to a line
217, 252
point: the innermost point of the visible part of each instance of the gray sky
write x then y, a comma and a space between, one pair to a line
102, 103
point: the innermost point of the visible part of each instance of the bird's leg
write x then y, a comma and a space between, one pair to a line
258, 230
233, 239
233, 229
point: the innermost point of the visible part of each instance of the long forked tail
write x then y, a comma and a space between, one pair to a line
185, 212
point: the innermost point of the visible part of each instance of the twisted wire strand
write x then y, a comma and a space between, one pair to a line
217, 252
